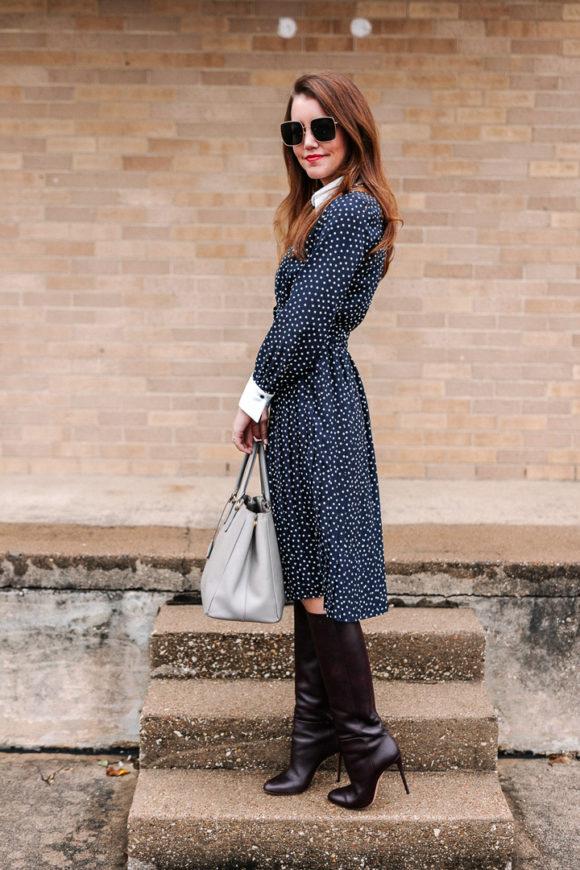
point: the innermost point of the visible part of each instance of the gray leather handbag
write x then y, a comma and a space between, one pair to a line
242, 578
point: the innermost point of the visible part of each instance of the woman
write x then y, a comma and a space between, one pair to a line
306, 400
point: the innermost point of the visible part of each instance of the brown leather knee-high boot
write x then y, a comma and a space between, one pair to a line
313, 735
366, 746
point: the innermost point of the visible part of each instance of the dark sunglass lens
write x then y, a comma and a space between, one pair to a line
291, 132
323, 129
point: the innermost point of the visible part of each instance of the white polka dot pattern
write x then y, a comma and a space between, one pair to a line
321, 459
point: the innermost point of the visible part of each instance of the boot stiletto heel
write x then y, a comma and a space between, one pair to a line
402, 772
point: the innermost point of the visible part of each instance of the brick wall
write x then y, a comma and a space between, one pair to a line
140, 168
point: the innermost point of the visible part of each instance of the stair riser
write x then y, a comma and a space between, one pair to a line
346, 844
265, 744
262, 656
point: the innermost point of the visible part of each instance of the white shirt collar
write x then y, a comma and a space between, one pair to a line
320, 196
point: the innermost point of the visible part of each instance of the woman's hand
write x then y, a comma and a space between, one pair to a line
244, 430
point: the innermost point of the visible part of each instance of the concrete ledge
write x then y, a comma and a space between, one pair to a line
195, 502
430, 559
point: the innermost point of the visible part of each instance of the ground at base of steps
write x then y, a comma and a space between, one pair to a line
64, 811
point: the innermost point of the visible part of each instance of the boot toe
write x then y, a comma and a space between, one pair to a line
285, 785
344, 797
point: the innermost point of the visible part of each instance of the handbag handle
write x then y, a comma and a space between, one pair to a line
264, 473
257, 449
240, 475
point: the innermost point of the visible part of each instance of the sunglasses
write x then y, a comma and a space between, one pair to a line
323, 130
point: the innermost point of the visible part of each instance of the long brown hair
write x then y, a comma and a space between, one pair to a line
342, 100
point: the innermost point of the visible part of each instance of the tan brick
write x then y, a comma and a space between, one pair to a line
550, 472
506, 133
37, 58
71, 145
452, 167
511, 440
10, 161
426, 46
564, 254
147, 164
131, 145
429, 115
97, 162
554, 169
526, 29
98, 22
568, 151
537, 46
558, 29
202, 163
571, 12
380, 9
66, 6
11, 93
446, 438
457, 97
434, 10
124, 110
481, 116
455, 132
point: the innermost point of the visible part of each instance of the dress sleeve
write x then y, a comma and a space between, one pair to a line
300, 330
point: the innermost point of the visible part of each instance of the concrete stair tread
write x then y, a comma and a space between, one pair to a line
246, 724
401, 698
185, 619
233, 794
202, 819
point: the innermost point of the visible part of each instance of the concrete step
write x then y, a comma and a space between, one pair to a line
185, 819
245, 724
407, 643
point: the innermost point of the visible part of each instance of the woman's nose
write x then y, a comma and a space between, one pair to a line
309, 140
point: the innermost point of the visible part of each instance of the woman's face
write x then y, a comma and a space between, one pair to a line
322, 160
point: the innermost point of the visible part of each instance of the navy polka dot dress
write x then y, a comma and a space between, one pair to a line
320, 458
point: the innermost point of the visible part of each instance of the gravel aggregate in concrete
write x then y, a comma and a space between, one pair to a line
246, 724
423, 643
223, 819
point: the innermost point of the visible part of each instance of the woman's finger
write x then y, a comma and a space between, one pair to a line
263, 426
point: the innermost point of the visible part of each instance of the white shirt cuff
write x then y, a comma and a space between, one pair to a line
254, 400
